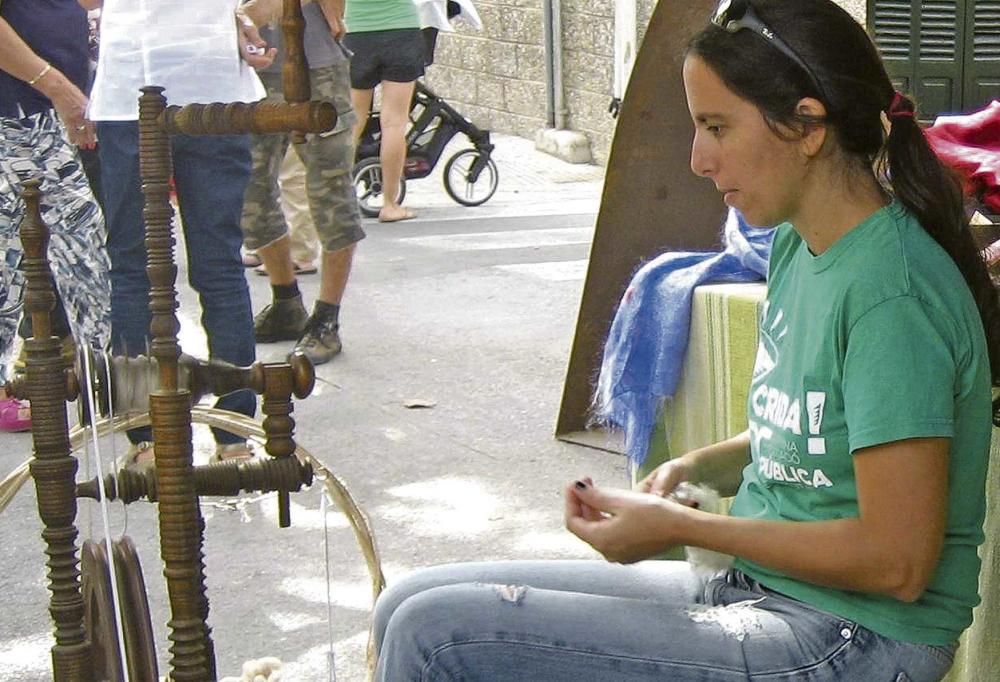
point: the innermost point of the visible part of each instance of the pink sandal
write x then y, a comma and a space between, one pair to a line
15, 415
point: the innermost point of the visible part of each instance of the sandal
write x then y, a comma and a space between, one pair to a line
304, 268
239, 451
297, 268
15, 415
140, 456
250, 259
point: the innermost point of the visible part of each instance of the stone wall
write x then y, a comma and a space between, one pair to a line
588, 70
496, 77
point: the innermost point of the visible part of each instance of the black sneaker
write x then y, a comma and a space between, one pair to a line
282, 320
320, 340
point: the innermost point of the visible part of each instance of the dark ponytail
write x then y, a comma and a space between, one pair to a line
858, 96
933, 194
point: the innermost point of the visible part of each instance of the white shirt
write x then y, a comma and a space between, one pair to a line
434, 14
189, 47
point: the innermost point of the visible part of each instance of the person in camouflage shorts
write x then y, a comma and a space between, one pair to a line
328, 158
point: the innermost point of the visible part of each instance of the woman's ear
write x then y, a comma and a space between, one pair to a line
813, 134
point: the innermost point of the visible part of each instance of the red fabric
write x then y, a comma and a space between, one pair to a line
971, 145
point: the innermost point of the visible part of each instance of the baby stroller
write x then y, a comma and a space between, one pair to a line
470, 175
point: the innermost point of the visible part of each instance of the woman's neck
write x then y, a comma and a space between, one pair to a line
833, 205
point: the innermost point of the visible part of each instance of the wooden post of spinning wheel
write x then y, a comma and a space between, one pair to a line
52, 467
180, 522
295, 70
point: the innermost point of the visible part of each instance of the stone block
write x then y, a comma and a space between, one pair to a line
483, 117
600, 147
531, 62
475, 54
527, 98
490, 14
520, 25
602, 8
588, 33
586, 71
490, 92
450, 82
568, 145
589, 111
857, 8
502, 60
447, 52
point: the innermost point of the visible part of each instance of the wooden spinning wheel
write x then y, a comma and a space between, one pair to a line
85, 649
99, 612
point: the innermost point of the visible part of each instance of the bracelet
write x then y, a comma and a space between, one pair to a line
41, 74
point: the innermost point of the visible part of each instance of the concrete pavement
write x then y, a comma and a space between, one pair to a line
468, 311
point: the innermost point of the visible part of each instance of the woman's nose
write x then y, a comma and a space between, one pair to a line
702, 163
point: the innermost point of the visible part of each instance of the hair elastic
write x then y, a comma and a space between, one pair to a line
900, 106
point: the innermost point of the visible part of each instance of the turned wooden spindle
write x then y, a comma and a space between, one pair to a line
258, 475
295, 70
180, 522
52, 467
260, 118
278, 424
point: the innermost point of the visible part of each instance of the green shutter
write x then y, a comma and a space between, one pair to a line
982, 55
890, 23
922, 44
939, 67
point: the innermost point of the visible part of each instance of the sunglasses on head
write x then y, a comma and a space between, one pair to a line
733, 16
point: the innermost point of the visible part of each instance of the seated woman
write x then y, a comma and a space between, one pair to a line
859, 484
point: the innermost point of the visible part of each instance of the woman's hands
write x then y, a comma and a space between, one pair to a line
664, 478
623, 525
253, 49
71, 107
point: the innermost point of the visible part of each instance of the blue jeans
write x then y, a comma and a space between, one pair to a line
211, 174
593, 621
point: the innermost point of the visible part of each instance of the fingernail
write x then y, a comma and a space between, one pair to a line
580, 485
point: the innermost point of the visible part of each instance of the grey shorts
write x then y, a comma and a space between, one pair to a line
396, 56
328, 158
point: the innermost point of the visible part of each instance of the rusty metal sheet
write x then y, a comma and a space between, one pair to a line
651, 201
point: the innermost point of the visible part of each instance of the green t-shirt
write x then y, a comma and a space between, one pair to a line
362, 16
875, 340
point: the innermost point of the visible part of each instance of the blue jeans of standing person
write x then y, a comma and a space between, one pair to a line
593, 621
211, 174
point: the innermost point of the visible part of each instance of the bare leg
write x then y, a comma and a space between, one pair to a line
336, 269
277, 258
393, 117
361, 102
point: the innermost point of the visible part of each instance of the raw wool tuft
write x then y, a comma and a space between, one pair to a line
736, 620
706, 563
266, 669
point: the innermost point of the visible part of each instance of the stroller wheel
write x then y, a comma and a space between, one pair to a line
471, 177
368, 186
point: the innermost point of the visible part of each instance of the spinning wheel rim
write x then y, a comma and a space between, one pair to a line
100, 617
